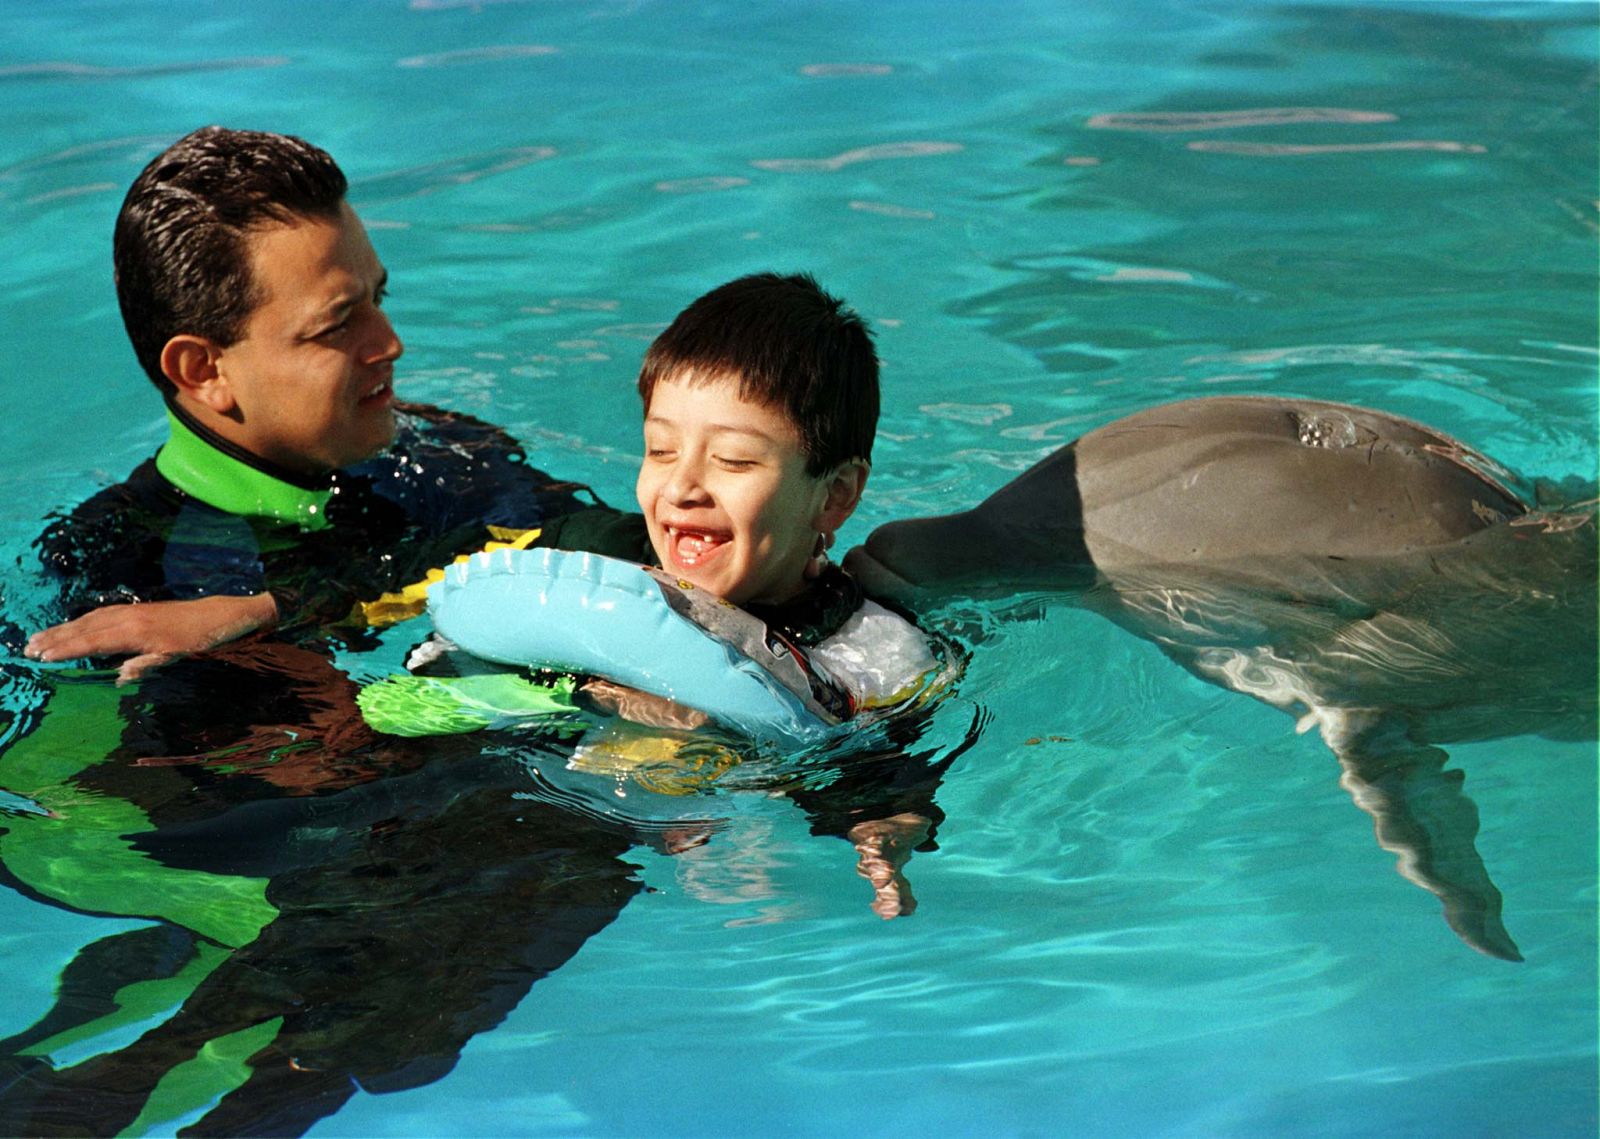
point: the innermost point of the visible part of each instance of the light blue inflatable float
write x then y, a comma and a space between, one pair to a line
586, 615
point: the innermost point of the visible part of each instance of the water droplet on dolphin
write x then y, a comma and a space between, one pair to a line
1325, 429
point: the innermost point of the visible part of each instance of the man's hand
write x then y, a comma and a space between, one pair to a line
152, 633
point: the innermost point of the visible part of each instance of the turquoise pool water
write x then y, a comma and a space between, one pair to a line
1153, 911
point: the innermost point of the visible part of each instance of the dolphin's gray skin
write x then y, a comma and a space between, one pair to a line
1380, 581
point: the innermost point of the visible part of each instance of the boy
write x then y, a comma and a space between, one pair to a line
760, 408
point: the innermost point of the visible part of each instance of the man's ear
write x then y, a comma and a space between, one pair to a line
191, 363
845, 484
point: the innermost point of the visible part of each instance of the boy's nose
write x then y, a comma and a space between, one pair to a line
684, 484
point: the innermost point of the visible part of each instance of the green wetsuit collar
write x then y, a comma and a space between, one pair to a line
198, 463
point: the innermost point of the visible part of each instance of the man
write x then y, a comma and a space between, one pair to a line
289, 856
253, 299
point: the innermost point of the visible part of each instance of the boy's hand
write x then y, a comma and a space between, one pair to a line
885, 847
153, 632
640, 707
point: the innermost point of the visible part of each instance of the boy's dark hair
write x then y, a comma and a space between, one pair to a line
789, 345
182, 263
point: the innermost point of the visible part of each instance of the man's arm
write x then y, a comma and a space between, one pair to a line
174, 558
154, 631
144, 570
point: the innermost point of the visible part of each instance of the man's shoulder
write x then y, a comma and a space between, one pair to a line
448, 468
445, 421
113, 546
111, 517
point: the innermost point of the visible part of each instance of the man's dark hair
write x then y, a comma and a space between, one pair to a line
182, 262
788, 345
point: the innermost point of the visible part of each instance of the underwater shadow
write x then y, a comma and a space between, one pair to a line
337, 910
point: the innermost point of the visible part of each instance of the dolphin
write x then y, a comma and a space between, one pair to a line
1383, 583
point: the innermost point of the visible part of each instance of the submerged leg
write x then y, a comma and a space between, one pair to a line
119, 980
90, 984
278, 1098
1421, 814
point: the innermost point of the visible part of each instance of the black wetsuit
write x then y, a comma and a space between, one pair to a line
366, 904
389, 520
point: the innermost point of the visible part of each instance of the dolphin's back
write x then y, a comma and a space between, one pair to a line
1220, 480
1226, 483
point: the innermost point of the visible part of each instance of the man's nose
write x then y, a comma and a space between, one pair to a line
384, 344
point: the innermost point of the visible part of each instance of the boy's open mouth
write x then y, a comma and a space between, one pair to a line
691, 547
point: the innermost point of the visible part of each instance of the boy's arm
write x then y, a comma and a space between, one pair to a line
599, 530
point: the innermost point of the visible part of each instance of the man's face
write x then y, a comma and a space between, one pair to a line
725, 493
312, 376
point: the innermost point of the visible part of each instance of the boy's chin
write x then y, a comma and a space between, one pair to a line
734, 593
699, 578
732, 587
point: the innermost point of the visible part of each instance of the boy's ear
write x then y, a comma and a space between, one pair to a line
845, 484
191, 363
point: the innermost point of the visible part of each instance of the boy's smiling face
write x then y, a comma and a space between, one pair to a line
725, 493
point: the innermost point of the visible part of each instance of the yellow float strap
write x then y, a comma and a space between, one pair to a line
412, 601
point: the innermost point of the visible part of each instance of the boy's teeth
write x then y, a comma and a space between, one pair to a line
692, 547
